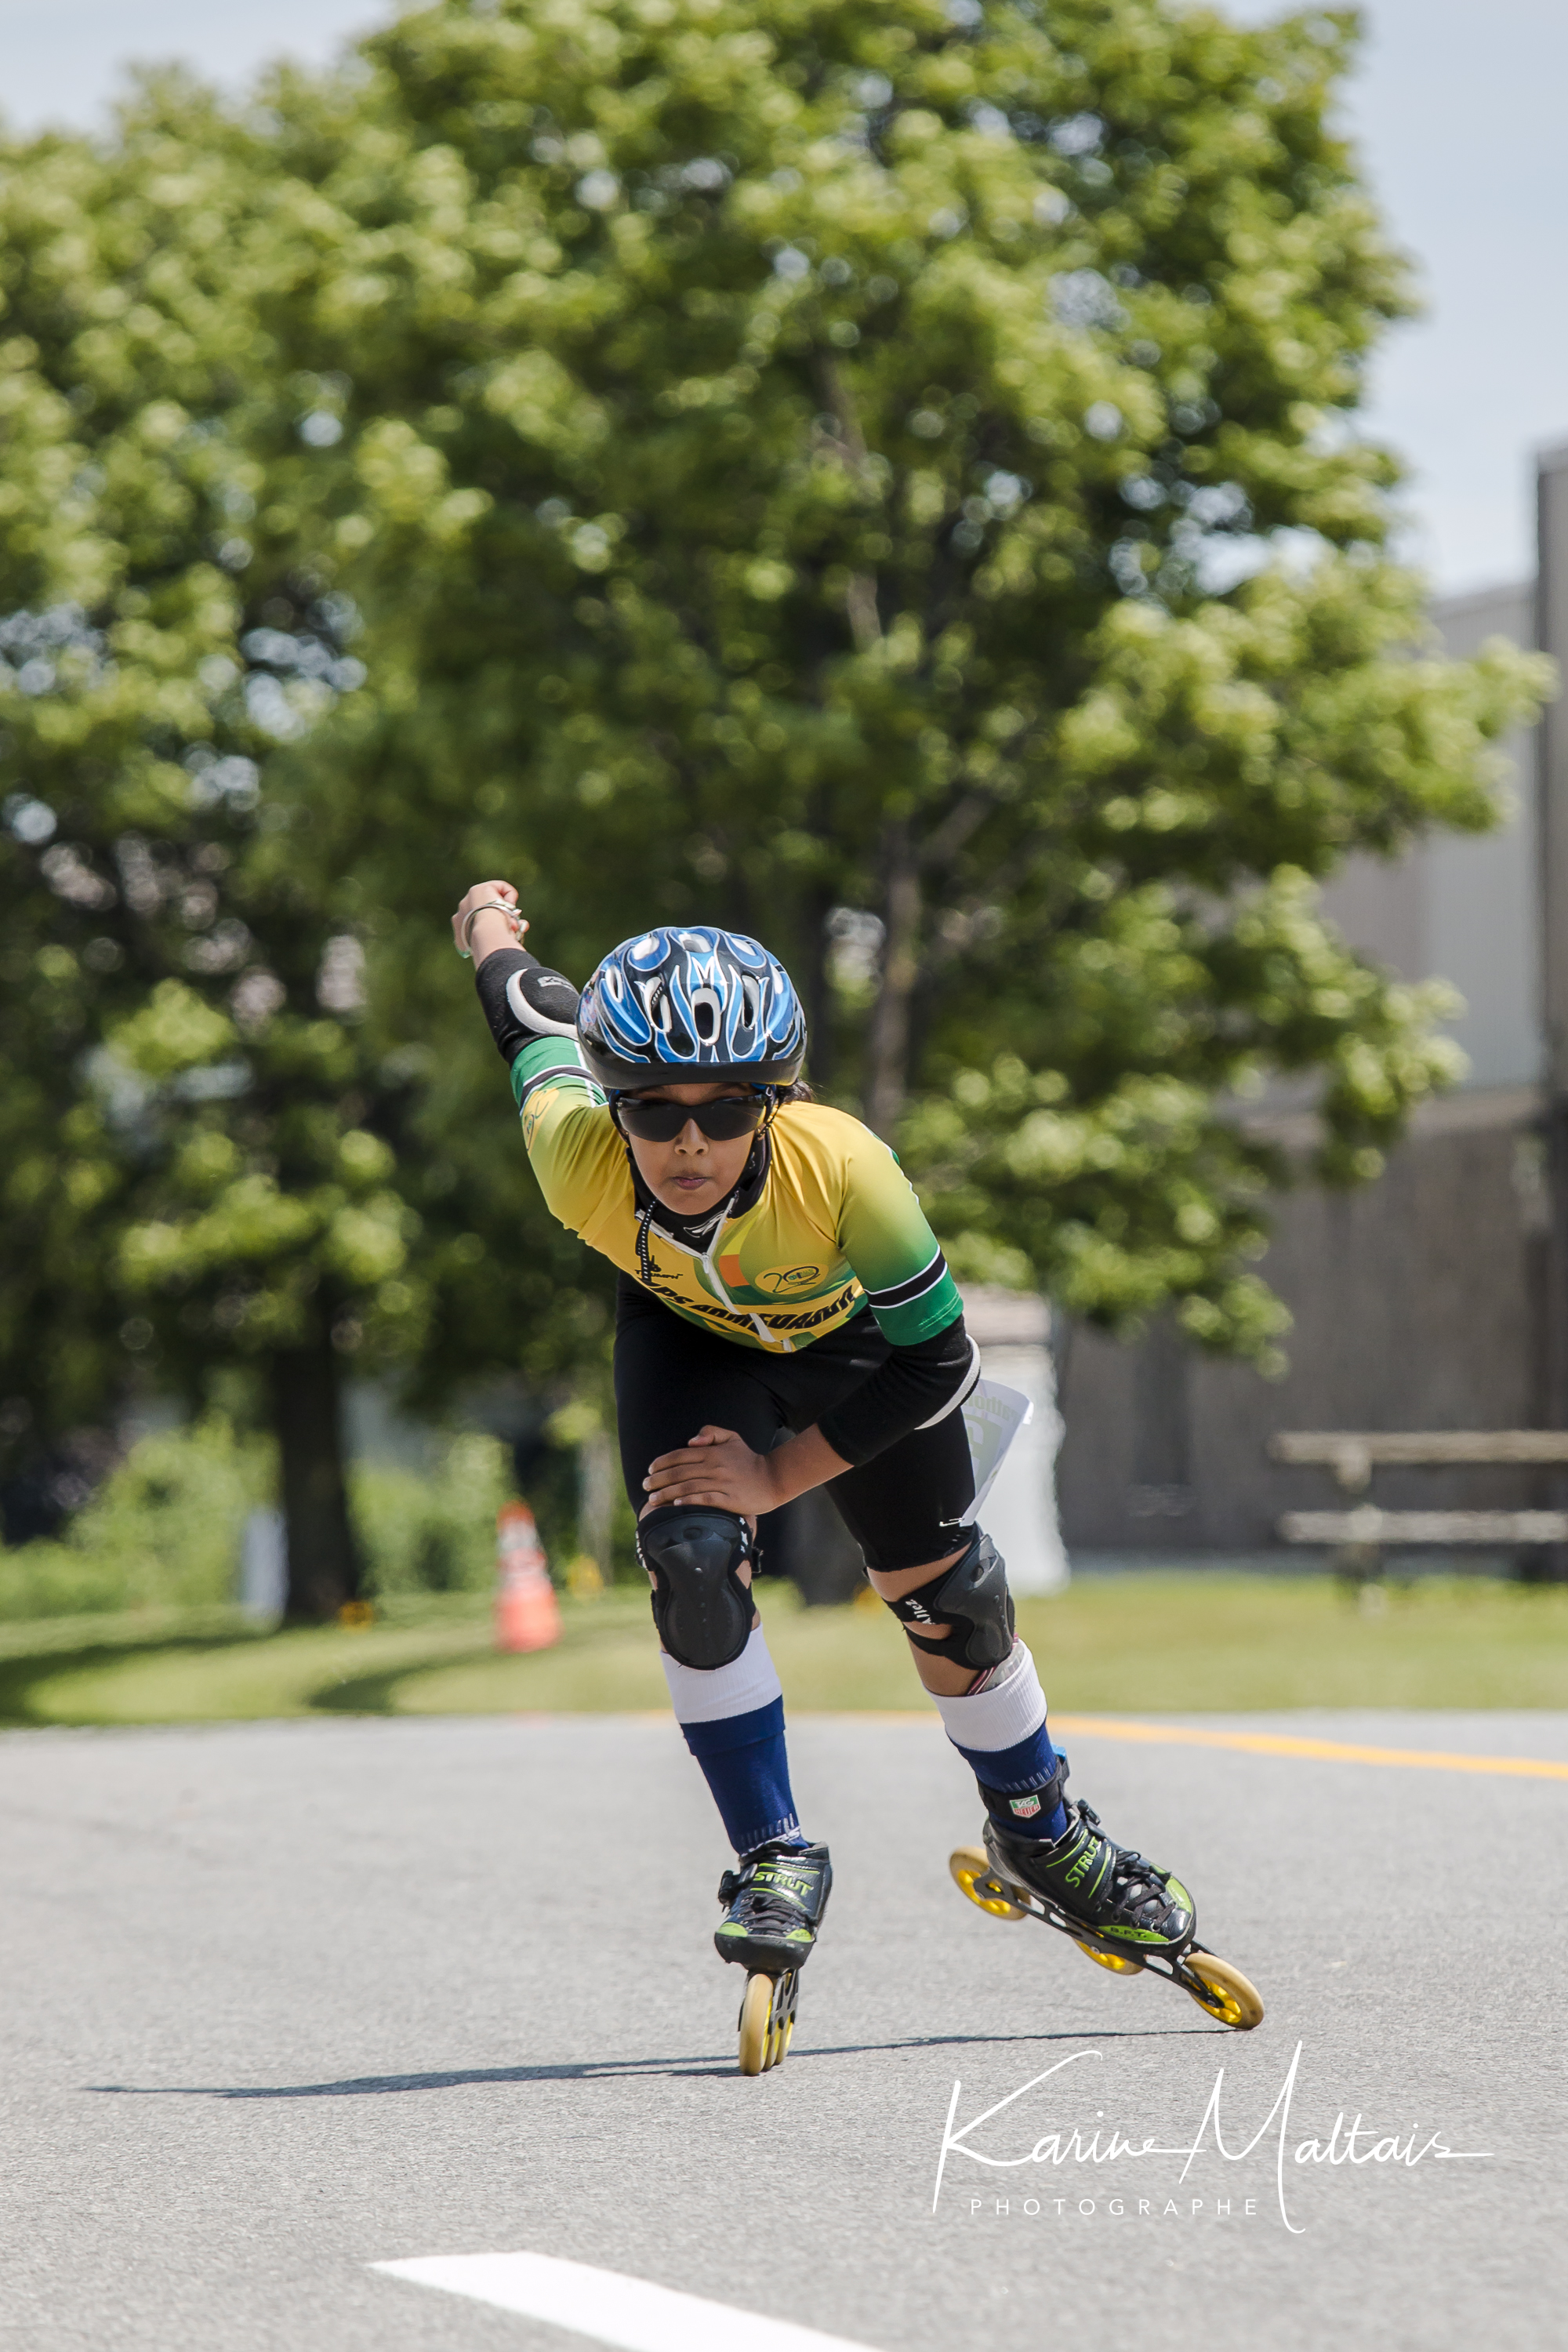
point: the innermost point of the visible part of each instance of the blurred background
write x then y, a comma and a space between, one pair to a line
1063, 530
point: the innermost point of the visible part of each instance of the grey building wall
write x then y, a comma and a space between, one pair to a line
1467, 907
1419, 1302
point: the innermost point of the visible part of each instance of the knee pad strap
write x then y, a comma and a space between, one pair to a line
971, 1598
701, 1607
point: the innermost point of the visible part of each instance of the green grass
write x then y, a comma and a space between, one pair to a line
1132, 1644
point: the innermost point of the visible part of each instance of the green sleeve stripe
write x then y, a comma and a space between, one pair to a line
556, 1059
923, 1317
913, 1286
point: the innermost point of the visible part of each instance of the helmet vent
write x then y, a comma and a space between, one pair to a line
705, 1015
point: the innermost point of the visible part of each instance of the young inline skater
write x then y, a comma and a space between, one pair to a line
785, 1320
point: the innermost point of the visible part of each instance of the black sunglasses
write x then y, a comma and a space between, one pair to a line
662, 1122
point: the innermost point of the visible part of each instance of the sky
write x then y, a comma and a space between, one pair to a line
1458, 110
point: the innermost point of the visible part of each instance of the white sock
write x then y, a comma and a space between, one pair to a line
1011, 1706
748, 1682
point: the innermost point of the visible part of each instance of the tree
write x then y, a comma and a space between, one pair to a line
211, 1155
888, 477
884, 476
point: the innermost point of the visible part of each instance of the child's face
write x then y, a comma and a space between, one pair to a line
694, 1171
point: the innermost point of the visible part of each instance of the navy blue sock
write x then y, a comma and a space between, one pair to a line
1010, 1780
745, 1763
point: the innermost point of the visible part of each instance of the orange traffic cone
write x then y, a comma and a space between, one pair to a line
527, 1616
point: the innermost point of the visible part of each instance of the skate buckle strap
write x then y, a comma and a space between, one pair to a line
1040, 1797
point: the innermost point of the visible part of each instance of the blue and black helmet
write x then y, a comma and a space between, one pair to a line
691, 1007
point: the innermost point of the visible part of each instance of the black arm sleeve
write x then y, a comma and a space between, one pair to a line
524, 1001
906, 1392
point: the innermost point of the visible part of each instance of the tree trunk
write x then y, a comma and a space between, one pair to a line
887, 1051
307, 1416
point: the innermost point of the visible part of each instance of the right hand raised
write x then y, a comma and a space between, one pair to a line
489, 929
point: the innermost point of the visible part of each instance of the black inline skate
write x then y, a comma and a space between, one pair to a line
773, 1905
1128, 1915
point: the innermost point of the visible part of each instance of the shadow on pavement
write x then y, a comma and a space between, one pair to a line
610, 2070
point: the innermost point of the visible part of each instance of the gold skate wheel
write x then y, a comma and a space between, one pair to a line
757, 2023
1114, 1961
973, 1873
1227, 1993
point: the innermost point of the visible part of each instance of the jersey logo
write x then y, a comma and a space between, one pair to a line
775, 1281
782, 1280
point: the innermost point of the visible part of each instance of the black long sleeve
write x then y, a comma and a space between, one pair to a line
911, 1389
524, 1001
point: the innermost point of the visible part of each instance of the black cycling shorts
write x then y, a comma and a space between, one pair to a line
901, 1507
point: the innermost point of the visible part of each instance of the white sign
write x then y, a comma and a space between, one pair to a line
993, 1415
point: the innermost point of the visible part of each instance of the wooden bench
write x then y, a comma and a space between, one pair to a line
1360, 1535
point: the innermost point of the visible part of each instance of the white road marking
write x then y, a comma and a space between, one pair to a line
629, 2313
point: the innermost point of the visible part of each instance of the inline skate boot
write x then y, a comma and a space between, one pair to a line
774, 1901
1123, 1911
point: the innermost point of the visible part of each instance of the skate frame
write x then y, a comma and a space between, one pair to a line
1035, 1905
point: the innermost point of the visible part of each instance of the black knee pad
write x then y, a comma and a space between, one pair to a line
971, 1598
701, 1607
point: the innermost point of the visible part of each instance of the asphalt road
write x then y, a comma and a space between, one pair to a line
287, 2001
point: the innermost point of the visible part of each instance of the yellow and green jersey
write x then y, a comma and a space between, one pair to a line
837, 1221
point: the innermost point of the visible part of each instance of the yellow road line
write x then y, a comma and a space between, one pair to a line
1256, 1743
1278, 1743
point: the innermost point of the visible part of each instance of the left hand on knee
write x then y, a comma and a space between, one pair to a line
717, 1468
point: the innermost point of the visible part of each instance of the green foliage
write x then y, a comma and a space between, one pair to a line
163, 1531
806, 457
56, 1580
206, 1150
435, 1531
115, 606
776, 461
